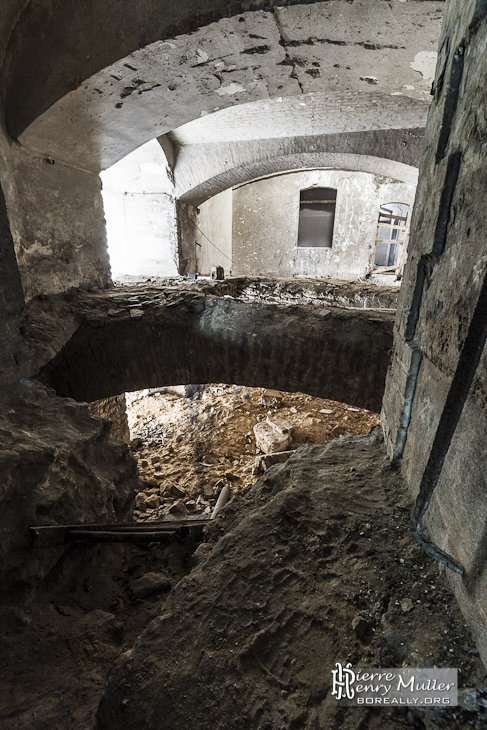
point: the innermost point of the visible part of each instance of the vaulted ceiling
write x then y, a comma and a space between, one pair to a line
88, 83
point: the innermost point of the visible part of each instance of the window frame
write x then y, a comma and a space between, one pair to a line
328, 196
401, 241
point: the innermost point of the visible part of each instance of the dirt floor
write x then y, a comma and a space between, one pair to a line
311, 565
308, 565
190, 444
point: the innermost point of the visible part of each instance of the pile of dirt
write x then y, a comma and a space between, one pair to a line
311, 566
191, 441
57, 651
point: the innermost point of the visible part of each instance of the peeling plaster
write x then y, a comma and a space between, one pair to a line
425, 63
108, 116
230, 89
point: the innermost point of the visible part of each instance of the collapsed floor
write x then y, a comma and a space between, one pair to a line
190, 442
311, 565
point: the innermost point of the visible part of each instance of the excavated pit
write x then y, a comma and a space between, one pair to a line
191, 442
308, 565
312, 565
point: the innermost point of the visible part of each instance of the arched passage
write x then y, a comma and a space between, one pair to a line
131, 339
128, 73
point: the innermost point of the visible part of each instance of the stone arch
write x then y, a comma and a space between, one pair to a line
129, 72
244, 173
138, 338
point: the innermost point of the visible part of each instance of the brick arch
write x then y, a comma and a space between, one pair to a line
131, 339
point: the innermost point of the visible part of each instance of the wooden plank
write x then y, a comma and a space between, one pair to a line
389, 240
55, 535
391, 216
124, 525
390, 225
384, 269
48, 538
123, 536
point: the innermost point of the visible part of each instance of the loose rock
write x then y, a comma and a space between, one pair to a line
149, 584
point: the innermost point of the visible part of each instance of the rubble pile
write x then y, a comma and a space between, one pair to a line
191, 441
311, 566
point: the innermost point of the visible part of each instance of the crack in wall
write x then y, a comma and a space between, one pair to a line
324, 41
451, 177
411, 381
451, 100
455, 401
288, 61
428, 261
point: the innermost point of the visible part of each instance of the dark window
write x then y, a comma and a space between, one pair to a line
316, 217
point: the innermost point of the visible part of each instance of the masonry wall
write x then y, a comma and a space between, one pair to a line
57, 223
215, 233
442, 317
114, 410
265, 218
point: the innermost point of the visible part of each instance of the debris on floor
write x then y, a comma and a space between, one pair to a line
273, 435
310, 566
190, 441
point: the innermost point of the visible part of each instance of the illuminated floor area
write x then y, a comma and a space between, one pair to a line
193, 442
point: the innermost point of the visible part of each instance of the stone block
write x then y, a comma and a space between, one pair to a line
270, 439
262, 463
280, 424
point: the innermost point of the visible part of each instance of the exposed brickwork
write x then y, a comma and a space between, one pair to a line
129, 338
113, 409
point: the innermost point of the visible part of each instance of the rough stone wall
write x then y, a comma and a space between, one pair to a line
57, 223
58, 466
52, 226
114, 410
14, 356
186, 226
15, 359
442, 313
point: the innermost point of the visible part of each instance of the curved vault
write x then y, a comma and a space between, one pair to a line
132, 338
254, 56
129, 72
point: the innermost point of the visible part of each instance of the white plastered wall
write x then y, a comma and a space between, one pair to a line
140, 214
265, 217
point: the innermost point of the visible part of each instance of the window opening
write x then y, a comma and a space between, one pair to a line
391, 237
316, 217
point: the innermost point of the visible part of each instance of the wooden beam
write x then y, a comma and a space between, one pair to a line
55, 535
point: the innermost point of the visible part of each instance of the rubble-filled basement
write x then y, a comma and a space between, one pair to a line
243, 373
